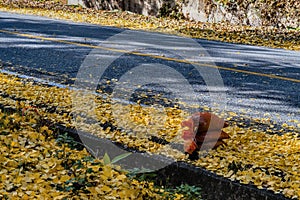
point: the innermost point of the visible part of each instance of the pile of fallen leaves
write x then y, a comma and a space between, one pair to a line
72, 109
38, 163
262, 36
251, 156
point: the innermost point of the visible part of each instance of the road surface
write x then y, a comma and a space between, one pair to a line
256, 81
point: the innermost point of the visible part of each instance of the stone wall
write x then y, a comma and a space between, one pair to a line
282, 13
145, 7
211, 11
276, 13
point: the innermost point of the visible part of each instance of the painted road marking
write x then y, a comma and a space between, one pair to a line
149, 55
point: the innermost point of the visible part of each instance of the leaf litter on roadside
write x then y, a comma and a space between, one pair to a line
36, 164
251, 156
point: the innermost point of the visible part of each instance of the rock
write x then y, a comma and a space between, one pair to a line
76, 2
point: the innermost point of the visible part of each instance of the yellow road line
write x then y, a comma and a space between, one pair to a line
149, 55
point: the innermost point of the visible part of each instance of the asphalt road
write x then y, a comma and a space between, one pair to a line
255, 81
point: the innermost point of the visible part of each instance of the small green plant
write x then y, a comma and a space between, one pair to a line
65, 139
81, 173
142, 174
190, 192
108, 161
